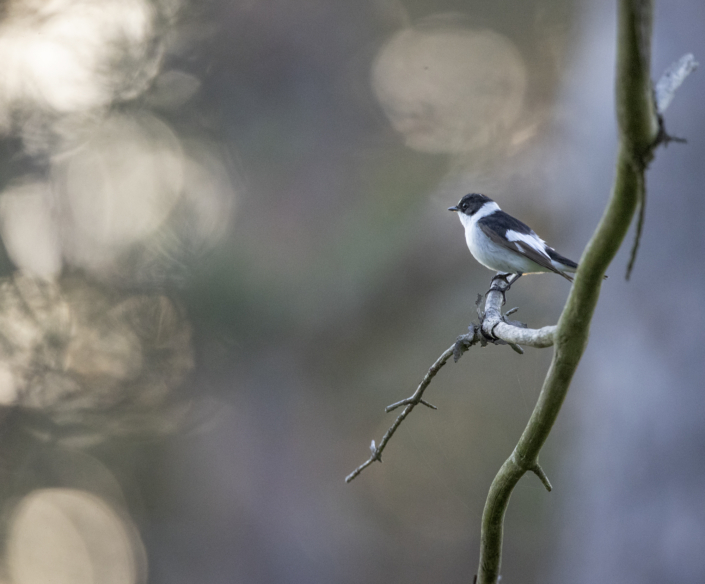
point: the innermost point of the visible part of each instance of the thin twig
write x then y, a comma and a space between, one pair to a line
664, 92
538, 471
672, 79
639, 226
410, 404
493, 328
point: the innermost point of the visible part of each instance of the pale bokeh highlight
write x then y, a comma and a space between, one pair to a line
119, 187
70, 536
449, 89
29, 229
95, 362
60, 55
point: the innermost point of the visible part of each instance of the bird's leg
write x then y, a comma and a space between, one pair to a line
514, 279
507, 283
500, 283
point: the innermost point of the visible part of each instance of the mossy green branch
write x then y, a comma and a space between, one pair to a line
639, 131
635, 105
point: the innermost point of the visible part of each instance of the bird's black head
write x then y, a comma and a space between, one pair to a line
470, 204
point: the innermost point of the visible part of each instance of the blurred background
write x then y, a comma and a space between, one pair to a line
225, 249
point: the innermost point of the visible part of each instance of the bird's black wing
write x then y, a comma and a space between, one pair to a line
502, 222
556, 257
496, 225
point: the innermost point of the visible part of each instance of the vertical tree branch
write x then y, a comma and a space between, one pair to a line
638, 125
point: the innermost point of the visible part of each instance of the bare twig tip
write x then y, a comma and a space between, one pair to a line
672, 79
538, 471
641, 194
516, 348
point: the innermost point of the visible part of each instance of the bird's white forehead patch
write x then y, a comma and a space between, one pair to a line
532, 240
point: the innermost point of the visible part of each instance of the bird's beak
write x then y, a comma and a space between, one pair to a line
454, 208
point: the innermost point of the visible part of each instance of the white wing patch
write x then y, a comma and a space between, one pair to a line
530, 239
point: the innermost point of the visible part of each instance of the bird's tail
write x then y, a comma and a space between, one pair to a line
564, 264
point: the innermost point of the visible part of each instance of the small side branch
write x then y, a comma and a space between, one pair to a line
410, 404
672, 79
492, 328
641, 194
664, 91
523, 465
538, 471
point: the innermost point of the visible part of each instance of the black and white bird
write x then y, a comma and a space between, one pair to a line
504, 244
